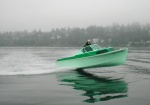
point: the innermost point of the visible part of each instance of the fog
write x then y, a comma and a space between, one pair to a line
47, 14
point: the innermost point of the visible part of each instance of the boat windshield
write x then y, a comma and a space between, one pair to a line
92, 47
95, 47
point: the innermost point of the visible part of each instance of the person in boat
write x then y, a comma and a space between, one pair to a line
87, 46
87, 43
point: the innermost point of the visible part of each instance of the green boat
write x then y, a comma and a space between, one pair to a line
93, 56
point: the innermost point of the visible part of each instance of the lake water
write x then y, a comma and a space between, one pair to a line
29, 76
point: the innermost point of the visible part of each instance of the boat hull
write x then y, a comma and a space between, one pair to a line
112, 58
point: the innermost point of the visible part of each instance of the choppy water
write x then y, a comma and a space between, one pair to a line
128, 84
29, 61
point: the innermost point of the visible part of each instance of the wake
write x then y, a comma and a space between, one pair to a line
27, 63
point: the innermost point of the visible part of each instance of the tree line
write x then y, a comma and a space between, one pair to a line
113, 35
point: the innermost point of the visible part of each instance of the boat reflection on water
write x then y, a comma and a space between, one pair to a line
95, 88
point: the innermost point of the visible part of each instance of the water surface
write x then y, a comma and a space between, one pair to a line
29, 76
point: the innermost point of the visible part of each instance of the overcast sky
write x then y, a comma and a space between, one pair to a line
47, 14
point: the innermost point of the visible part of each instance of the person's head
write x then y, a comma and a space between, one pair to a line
89, 41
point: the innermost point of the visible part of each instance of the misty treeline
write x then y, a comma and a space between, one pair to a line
114, 35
